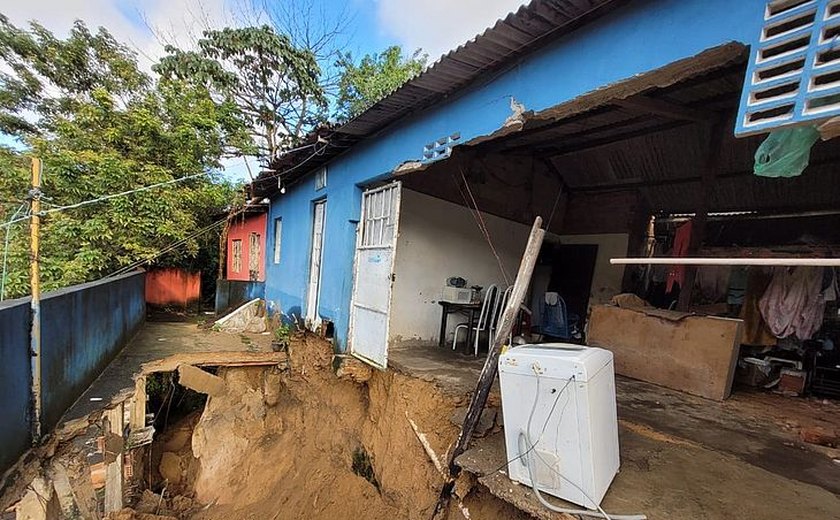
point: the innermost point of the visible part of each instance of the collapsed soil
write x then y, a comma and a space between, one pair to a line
282, 444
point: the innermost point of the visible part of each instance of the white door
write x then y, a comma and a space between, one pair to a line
314, 288
373, 274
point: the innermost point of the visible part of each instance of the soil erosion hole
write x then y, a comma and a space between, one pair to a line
363, 466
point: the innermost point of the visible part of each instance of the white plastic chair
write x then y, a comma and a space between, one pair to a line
484, 318
498, 310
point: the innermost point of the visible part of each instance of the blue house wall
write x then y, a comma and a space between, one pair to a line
641, 37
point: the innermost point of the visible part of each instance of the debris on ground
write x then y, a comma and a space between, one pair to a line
485, 423
354, 370
200, 380
249, 317
820, 436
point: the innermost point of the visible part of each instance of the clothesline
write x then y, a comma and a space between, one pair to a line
786, 262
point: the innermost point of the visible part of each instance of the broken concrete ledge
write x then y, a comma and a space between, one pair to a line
249, 317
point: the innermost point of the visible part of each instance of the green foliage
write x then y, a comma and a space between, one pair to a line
52, 77
283, 333
102, 126
273, 85
374, 77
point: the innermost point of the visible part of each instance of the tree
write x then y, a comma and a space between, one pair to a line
102, 126
49, 77
319, 27
273, 84
374, 77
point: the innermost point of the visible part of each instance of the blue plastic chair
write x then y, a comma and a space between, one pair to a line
556, 321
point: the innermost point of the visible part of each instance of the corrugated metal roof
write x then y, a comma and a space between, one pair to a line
530, 27
617, 147
666, 168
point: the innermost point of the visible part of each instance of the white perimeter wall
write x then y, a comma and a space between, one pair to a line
439, 240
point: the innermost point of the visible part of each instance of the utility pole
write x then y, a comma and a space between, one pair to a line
35, 304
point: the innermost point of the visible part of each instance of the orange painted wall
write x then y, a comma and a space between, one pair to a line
241, 229
172, 287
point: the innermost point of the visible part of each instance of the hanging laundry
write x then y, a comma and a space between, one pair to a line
793, 304
676, 273
750, 285
830, 287
738, 286
712, 283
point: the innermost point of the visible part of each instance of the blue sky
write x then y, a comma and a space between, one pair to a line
432, 25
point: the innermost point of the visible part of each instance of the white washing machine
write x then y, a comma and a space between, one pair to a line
563, 396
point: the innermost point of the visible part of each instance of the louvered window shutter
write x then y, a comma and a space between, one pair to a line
794, 71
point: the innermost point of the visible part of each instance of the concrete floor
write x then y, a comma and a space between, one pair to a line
452, 371
161, 346
683, 457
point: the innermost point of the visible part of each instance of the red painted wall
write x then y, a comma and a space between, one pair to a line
241, 229
172, 287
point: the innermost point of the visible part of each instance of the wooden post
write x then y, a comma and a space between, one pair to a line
35, 302
113, 424
488, 373
716, 132
138, 405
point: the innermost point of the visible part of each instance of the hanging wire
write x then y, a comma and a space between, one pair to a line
554, 208
123, 193
481, 224
7, 238
56, 209
298, 165
163, 251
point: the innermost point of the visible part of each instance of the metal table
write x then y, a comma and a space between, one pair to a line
467, 309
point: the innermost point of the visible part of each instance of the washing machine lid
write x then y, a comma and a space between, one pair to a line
556, 360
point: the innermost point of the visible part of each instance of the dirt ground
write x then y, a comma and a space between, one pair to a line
302, 440
282, 444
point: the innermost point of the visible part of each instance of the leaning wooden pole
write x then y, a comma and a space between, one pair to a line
488, 373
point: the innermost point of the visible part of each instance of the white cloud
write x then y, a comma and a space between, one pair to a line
438, 26
138, 23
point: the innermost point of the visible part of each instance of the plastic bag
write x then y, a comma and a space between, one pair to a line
785, 153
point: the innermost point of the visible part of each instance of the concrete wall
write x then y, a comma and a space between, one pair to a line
233, 293
643, 36
14, 380
241, 229
439, 240
82, 328
606, 280
172, 287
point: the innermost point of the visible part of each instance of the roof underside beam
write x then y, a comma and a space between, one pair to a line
571, 147
666, 109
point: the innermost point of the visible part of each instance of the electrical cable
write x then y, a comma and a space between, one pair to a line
298, 165
482, 226
545, 425
532, 473
167, 249
554, 207
299, 148
7, 238
106, 197
122, 194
